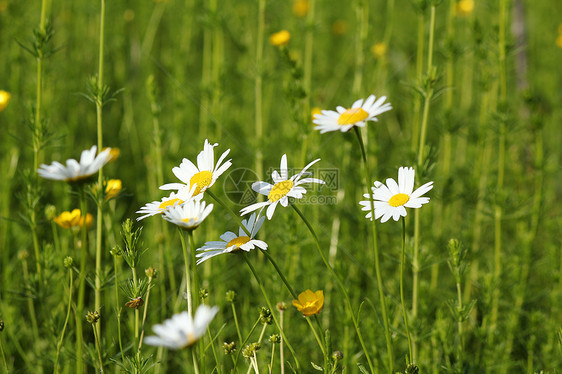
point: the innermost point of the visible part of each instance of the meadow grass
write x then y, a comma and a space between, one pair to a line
471, 282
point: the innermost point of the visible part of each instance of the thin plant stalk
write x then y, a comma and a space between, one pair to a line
59, 344
98, 347
30, 305
281, 350
427, 102
258, 87
340, 284
376, 254
81, 283
187, 272
136, 325
118, 306
3, 358
144, 313
404, 313
195, 280
498, 209
236, 322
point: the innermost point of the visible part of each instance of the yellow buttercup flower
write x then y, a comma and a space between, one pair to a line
4, 99
300, 8
67, 220
379, 50
464, 7
280, 38
309, 302
112, 188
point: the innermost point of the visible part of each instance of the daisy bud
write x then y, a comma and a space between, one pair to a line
68, 262
93, 317
23, 255
275, 338
115, 251
337, 355
1, 325
231, 296
203, 293
229, 348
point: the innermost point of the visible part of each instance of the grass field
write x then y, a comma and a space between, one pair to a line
465, 278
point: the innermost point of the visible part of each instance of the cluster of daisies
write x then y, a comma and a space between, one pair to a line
185, 207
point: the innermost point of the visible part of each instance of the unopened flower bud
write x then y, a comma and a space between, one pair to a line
412, 369
265, 316
251, 349
281, 306
50, 212
337, 355
23, 255
93, 317
151, 272
229, 348
275, 338
68, 262
231, 296
1, 325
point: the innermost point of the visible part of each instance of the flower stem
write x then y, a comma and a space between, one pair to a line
258, 87
59, 344
402, 261
236, 322
3, 357
340, 284
98, 347
81, 284
145, 312
187, 275
117, 306
376, 255
195, 281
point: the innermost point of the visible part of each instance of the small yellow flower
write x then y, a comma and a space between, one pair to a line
112, 188
300, 8
379, 50
315, 111
310, 303
464, 7
280, 38
67, 220
339, 27
559, 41
4, 99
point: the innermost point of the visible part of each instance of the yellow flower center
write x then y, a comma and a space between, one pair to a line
281, 189
351, 116
203, 179
238, 242
186, 220
168, 203
398, 200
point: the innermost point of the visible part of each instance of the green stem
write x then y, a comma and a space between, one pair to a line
271, 308
59, 344
81, 283
98, 347
144, 313
236, 322
382, 299
118, 307
341, 285
136, 326
258, 88
195, 282
3, 358
187, 275
402, 261
99, 223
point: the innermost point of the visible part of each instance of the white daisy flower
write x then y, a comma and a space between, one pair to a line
283, 188
182, 331
74, 171
232, 243
175, 199
204, 175
344, 119
393, 199
188, 215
